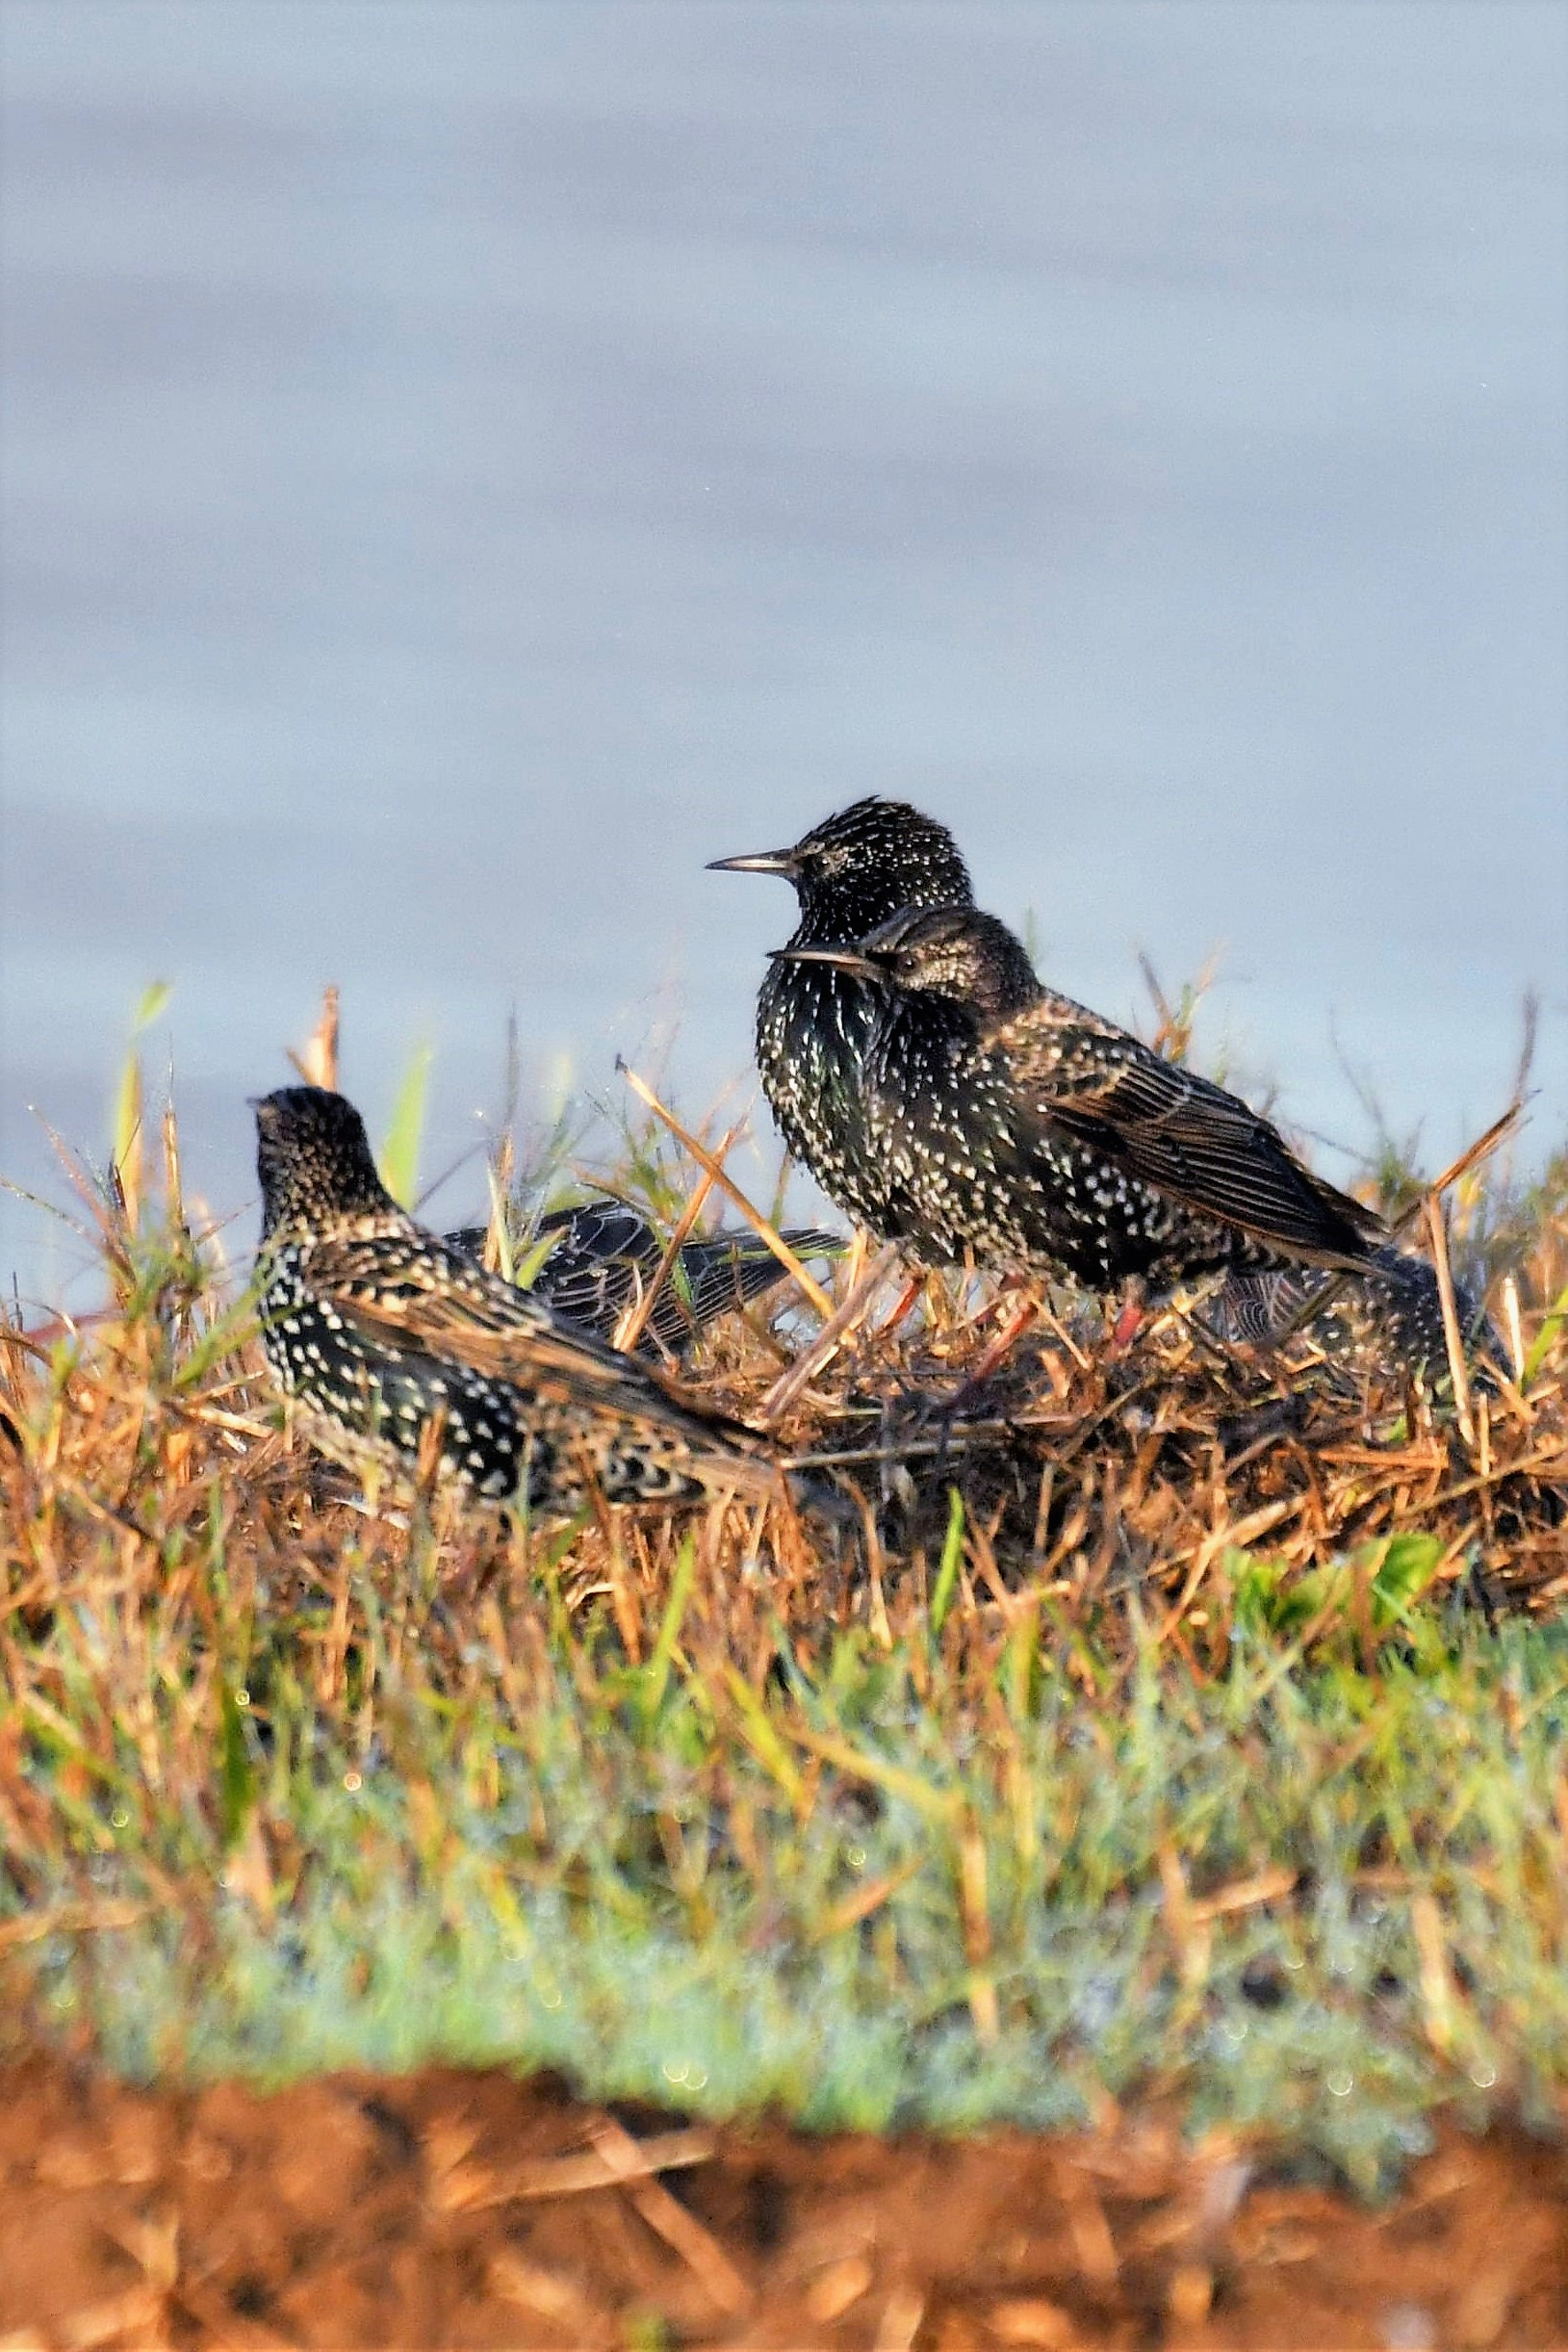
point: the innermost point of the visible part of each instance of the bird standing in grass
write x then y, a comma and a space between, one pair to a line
815, 1019
603, 1256
402, 1355
1009, 1122
842, 1042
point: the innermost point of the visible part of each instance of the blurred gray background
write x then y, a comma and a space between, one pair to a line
465, 466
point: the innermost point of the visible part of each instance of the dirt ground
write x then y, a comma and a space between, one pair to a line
451, 2208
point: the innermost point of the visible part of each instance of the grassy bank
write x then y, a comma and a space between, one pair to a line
1153, 1731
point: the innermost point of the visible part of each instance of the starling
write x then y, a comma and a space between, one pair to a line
815, 1019
400, 1353
1010, 1123
1384, 1322
604, 1256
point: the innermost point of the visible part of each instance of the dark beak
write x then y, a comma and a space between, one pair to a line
764, 861
847, 959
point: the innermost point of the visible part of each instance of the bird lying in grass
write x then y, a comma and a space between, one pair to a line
405, 1359
1386, 1319
603, 1256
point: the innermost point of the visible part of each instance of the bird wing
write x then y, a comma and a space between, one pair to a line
436, 1302
1178, 1132
728, 1270
597, 1230
602, 1261
604, 1256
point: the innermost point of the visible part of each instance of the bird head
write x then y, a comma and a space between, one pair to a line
314, 1160
953, 952
860, 867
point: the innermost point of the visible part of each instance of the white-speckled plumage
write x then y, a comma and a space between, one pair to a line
390, 1341
1385, 1322
814, 1023
1010, 1121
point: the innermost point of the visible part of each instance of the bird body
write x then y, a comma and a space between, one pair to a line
1010, 1123
603, 1256
945, 1099
400, 1353
814, 1020
1386, 1319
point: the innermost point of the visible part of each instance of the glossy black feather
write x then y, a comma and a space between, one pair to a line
1013, 1123
1384, 1322
604, 1256
1169, 1128
813, 1021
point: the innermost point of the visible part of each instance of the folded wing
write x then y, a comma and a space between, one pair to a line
444, 1306
1178, 1132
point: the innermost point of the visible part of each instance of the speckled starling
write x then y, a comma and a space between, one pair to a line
1384, 1322
814, 1020
400, 1352
604, 1256
1012, 1123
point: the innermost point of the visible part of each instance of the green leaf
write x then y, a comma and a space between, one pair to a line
760, 1735
1270, 1599
1017, 1673
526, 1269
153, 1002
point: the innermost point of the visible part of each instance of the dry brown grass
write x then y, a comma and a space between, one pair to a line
206, 1644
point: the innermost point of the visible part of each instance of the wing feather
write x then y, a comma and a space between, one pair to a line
1180, 1133
441, 1304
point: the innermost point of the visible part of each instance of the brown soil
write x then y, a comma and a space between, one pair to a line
449, 2208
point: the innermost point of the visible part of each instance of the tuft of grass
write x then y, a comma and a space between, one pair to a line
1152, 1733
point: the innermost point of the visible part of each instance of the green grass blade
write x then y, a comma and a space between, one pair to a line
656, 1673
942, 1599
401, 1153
1555, 1316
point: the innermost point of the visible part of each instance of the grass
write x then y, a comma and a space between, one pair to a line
1161, 1735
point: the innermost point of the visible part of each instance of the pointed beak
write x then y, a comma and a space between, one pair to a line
846, 959
763, 861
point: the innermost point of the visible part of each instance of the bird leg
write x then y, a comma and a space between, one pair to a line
910, 1292
994, 1355
1132, 1312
